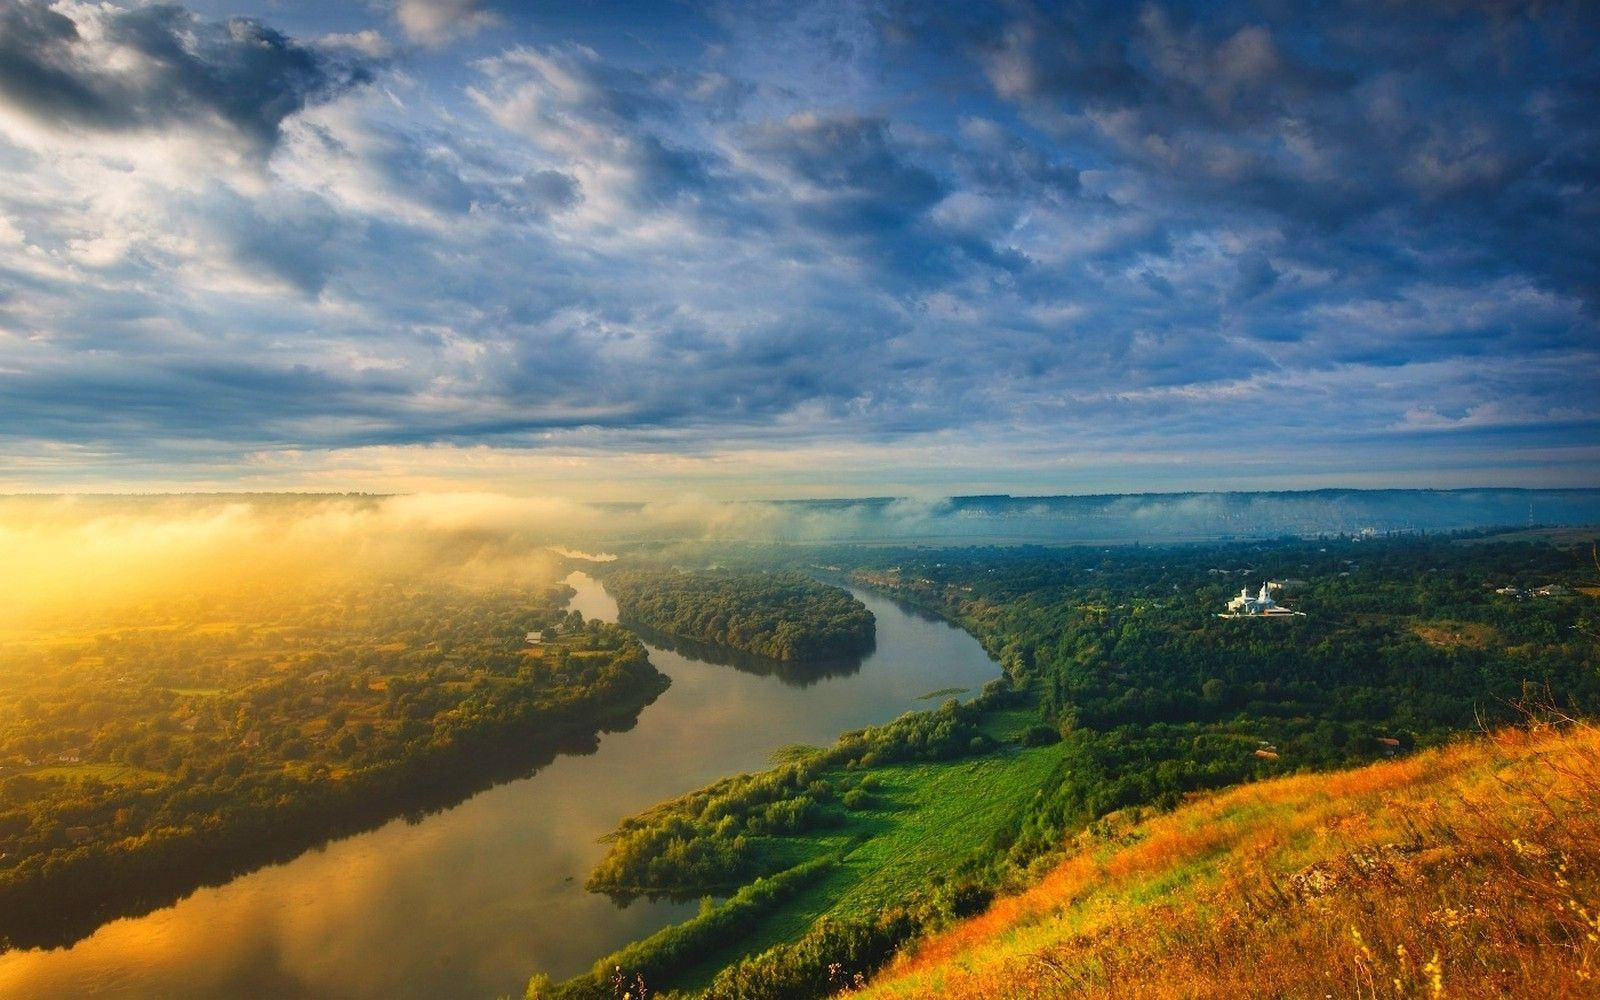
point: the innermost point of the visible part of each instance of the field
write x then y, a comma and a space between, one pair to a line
898, 831
932, 818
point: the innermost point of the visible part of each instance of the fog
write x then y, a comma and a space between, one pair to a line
61, 551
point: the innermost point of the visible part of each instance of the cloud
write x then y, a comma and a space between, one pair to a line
846, 174
1445, 119
772, 246
1256, 276
368, 41
159, 67
549, 190
603, 123
438, 22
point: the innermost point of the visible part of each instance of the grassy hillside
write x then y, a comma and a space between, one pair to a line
1467, 871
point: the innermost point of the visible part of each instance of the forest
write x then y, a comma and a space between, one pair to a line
785, 616
1126, 691
222, 732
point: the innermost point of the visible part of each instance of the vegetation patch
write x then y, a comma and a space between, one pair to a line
1455, 635
719, 837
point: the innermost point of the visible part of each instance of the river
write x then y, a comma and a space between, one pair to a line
469, 902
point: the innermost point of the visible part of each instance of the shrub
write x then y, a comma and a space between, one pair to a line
1040, 736
857, 799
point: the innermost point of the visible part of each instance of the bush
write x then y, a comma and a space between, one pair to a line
1040, 736
857, 799
970, 899
831, 957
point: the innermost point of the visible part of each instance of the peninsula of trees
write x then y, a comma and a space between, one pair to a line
139, 763
784, 616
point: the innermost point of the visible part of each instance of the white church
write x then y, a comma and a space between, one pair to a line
1260, 606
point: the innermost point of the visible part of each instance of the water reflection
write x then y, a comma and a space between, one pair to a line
470, 901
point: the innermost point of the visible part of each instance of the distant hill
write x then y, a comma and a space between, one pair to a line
999, 519
1181, 517
1468, 871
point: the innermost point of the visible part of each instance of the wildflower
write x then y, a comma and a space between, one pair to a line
1366, 953
1435, 972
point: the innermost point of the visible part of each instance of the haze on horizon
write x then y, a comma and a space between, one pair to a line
803, 249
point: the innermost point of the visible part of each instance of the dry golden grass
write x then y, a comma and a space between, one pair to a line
1470, 871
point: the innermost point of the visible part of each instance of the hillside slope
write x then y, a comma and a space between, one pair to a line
1468, 871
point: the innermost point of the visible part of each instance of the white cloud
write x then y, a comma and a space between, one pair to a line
368, 41
438, 22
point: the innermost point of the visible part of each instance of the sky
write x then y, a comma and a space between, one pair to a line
798, 249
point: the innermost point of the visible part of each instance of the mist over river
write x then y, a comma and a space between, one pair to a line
471, 901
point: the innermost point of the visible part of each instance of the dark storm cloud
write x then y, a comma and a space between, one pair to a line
160, 66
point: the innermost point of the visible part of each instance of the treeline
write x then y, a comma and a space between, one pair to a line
784, 616
717, 838
834, 956
138, 765
671, 949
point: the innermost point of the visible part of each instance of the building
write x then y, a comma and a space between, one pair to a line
1260, 606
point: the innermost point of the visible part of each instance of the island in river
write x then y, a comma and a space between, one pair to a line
785, 616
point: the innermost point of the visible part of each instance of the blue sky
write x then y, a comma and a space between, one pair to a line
619, 249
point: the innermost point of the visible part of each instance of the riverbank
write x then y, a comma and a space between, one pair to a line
64, 898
